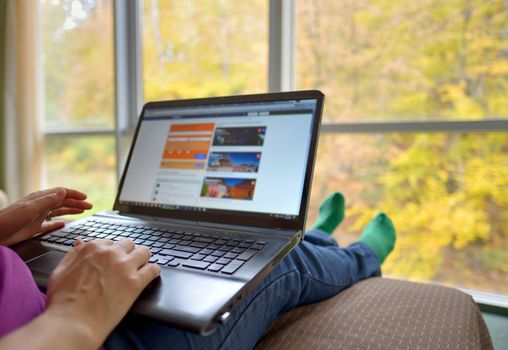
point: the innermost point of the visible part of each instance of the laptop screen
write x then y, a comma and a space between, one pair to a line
235, 157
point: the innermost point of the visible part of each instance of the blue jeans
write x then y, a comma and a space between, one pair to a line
315, 270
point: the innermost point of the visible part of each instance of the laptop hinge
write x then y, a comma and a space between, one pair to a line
204, 224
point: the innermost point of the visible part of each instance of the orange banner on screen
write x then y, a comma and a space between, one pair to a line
187, 142
192, 127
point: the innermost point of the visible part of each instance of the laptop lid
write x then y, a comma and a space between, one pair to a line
238, 160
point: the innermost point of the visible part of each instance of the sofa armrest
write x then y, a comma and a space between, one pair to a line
382, 313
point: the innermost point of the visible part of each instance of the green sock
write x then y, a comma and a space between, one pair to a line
331, 213
380, 236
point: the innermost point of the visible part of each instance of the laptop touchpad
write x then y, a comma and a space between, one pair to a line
47, 262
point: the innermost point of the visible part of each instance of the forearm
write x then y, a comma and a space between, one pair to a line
51, 332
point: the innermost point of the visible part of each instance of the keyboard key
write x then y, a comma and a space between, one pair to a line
237, 250
155, 250
218, 253
60, 234
169, 246
175, 253
223, 261
231, 255
198, 244
246, 255
232, 267
257, 246
164, 260
203, 239
215, 267
198, 257
211, 259
201, 265
173, 263
206, 251
187, 249
158, 244
69, 242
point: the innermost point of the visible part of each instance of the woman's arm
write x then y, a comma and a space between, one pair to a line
88, 294
51, 332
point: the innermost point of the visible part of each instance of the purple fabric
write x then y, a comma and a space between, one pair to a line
20, 299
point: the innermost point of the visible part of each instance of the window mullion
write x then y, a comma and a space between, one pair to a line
128, 75
281, 45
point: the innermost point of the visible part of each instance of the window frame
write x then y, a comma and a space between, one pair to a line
281, 77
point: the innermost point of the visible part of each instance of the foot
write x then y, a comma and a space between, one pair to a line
380, 236
331, 213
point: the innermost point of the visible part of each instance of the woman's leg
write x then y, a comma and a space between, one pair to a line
315, 270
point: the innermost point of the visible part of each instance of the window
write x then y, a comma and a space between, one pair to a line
412, 62
379, 60
415, 119
204, 48
78, 80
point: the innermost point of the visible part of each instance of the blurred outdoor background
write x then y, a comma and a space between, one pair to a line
375, 60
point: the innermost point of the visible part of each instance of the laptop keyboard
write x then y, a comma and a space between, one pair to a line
174, 248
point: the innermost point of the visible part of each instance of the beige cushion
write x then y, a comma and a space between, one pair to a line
382, 313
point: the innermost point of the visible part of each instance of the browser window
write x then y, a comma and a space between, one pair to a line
246, 157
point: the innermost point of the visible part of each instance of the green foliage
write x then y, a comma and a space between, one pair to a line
374, 59
84, 163
447, 193
204, 48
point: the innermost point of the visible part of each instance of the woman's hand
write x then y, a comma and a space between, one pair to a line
97, 282
26, 218
88, 294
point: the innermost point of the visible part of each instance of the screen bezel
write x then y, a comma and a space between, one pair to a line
231, 217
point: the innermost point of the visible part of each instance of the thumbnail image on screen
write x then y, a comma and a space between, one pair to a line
232, 188
240, 136
237, 162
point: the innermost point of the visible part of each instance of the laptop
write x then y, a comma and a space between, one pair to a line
218, 189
